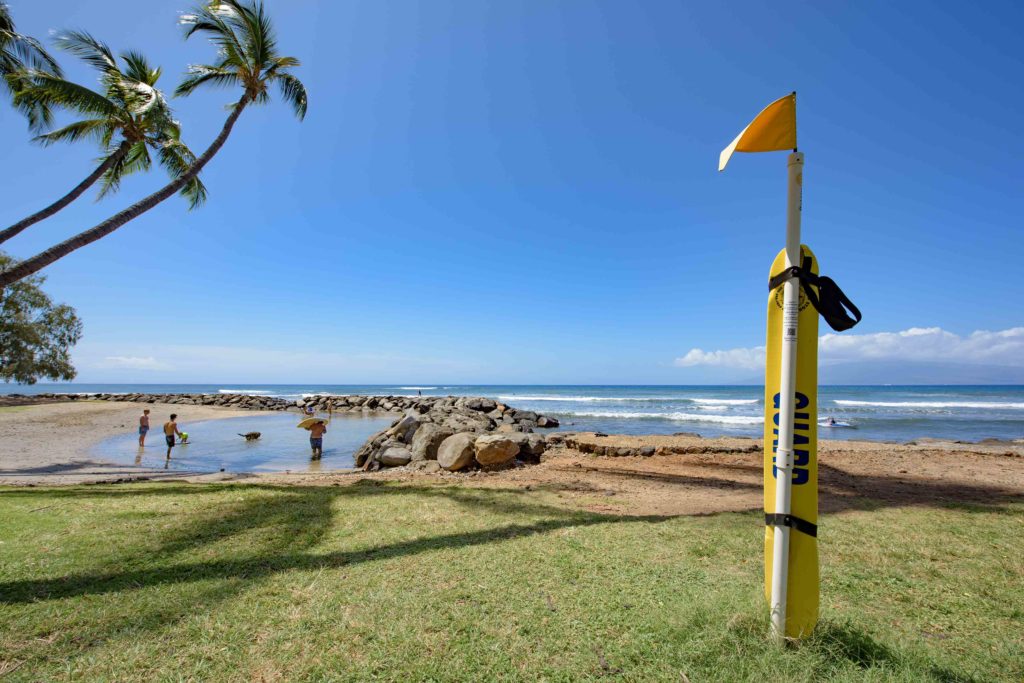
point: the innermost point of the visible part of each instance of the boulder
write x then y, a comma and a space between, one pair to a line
535, 447
456, 452
395, 457
495, 449
481, 404
547, 422
531, 446
405, 429
427, 440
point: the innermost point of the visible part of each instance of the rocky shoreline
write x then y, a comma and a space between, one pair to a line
429, 433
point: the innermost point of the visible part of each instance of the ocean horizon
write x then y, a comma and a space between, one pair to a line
872, 412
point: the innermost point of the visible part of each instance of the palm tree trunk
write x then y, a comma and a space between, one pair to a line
44, 258
69, 197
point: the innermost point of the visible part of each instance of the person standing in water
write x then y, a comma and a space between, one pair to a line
143, 427
316, 439
170, 429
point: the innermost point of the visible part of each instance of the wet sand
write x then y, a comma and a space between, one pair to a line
50, 443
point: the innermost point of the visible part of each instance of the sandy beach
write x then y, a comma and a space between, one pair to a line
49, 444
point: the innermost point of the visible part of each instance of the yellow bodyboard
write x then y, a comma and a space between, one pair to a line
802, 585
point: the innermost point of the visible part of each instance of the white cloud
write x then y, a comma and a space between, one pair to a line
208, 363
1005, 347
132, 363
730, 358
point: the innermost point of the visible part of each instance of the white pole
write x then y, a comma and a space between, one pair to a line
787, 396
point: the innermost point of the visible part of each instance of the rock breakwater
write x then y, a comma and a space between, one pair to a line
429, 432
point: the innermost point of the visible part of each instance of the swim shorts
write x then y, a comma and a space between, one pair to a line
143, 430
316, 443
170, 440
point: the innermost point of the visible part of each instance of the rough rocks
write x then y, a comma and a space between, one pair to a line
422, 425
427, 440
395, 456
456, 452
495, 449
590, 443
428, 423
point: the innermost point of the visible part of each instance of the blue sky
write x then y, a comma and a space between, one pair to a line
525, 192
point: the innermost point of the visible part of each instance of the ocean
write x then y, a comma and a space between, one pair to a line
878, 413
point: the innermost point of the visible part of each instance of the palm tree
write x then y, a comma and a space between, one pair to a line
128, 119
247, 57
18, 53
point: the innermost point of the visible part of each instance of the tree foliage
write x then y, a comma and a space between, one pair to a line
127, 118
19, 53
36, 335
247, 57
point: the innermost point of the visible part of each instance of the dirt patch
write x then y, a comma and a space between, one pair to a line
852, 475
48, 444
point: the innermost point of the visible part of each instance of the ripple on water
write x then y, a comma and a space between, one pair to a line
216, 444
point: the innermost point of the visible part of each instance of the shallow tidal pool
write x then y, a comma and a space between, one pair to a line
215, 445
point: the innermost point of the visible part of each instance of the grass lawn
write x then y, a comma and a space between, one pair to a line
404, 582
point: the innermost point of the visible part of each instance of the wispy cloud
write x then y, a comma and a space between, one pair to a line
1005, 347
204, 363
132, 363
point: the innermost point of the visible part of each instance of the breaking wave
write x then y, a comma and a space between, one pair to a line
992, 405
678, 417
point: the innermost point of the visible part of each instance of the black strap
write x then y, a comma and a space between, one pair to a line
801, 525
829, 301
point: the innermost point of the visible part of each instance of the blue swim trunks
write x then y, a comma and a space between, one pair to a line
316, 443
143, 430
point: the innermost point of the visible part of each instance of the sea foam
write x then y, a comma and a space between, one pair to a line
677, 417
993, 405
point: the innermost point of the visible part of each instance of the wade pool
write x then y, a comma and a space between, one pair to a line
215, 445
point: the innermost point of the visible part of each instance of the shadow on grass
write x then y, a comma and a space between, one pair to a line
275, 529
841, 644
224, 545
297, 519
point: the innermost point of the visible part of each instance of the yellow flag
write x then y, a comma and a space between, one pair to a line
773, 129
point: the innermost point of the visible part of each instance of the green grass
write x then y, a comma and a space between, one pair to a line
401, 582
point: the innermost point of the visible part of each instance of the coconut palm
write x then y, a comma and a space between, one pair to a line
128, 119
247, 58
17, 54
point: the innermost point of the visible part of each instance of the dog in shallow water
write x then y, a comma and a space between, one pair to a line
250, 436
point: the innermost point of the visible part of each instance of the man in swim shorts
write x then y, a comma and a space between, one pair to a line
143, 427
316, 439
170, 429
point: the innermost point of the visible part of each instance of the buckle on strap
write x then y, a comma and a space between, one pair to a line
801, 525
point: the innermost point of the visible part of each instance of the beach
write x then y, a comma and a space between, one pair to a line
50, 443
53, 444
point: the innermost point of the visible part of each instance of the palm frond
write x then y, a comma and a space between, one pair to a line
210, 19
89, 49
96, 129
38, 112
136, 159
55, 91
201, 74
177, 158
293, 92
138, 68
23, 51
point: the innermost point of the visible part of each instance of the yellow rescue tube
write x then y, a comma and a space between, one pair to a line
802, 583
